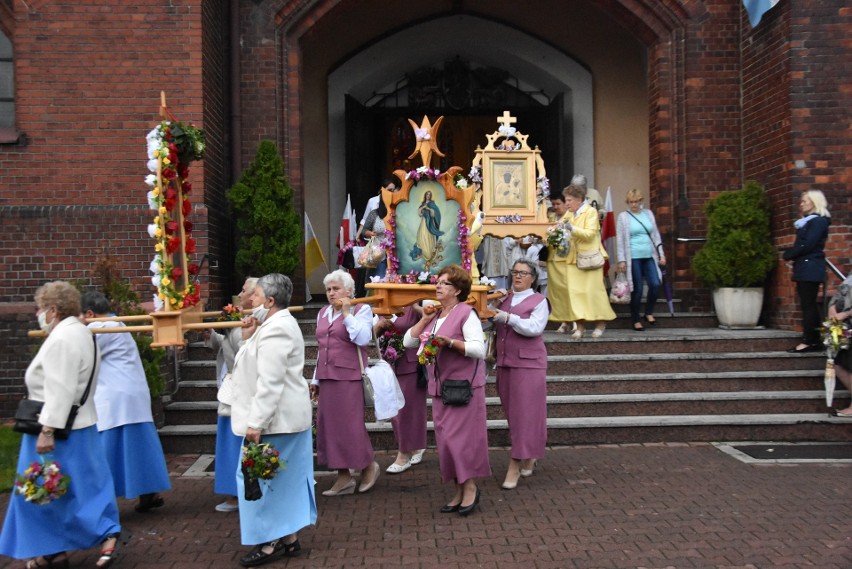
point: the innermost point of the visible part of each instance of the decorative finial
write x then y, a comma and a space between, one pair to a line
427, 139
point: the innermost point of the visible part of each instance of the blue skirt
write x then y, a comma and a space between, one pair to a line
135, 458
288, 503
227, 457
81, 519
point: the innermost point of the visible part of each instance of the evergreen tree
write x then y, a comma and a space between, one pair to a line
269, 232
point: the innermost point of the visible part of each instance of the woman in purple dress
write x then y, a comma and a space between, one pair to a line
461, 432
522, 369
343, 331
409, 426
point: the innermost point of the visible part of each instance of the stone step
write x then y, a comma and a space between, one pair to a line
586, 384
617, 405
596, 430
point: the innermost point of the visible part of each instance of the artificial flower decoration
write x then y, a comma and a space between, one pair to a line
557, 238
261, 460
514, 218
230, 313
171, 147
43, 483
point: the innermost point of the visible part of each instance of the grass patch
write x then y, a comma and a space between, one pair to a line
10, 444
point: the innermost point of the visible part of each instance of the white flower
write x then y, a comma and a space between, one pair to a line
154, 267
424, 276
155, 280
376, 279
151, 180
152, 165
152, 201
152, 230
461, 183
507, 130
485, 281
158, 303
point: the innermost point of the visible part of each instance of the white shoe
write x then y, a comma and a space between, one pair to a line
348, 488
397, 468
417, 457
226, 507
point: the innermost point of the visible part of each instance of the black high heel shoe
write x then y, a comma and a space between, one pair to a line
467, 510
448, 509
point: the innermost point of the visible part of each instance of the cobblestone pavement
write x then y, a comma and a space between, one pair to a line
608, 506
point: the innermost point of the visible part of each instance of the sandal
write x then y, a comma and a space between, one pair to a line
48, 561
279, 549
109, 554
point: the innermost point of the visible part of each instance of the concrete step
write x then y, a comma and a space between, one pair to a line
586, 384
596, 430
596, 405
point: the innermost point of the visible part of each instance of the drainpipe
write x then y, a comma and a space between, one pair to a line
236, 116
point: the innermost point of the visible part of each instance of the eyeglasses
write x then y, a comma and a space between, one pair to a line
443, 283
522, 273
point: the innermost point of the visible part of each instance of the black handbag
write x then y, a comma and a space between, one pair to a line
28, 411
456, 392
422, 377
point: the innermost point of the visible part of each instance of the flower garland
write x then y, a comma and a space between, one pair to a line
475, 174
423, 172
42, 483
462, 240
175, 145
390, 247
514, 218
542, 189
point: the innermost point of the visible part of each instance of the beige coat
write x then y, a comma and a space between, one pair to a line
270, 391
59, 373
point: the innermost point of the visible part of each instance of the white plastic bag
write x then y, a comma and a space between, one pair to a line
620, 293
386, 391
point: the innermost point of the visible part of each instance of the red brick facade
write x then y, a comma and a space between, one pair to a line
726, 103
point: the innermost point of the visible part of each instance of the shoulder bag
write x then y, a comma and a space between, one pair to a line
27, 414
590, 260
455, 392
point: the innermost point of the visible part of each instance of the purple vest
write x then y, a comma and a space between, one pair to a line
337, 356
513, 349
407, 363
450, 363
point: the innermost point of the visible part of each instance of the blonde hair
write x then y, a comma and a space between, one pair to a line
820, 203
60, 295
633, 195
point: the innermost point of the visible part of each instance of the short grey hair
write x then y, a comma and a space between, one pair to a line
532, 268
342, 277
580, 180
277, 286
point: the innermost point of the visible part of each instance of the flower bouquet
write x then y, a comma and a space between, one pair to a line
259, 461
557, 238
428, 349
836, 336
42, 483
390, 345
230, 313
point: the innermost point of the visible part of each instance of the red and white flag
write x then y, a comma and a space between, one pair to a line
608, 229
348, 225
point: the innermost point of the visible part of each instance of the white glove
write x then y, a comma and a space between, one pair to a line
501, 317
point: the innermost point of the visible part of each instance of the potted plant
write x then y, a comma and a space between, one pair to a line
738, 254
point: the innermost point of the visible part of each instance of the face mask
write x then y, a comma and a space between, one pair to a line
43, 323
260, 313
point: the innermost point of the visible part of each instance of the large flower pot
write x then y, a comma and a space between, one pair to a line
738, 307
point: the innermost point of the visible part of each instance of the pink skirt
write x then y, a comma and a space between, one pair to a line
409, 426
342, 439
462, 437
523, 394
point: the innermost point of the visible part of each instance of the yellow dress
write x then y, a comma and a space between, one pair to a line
587, 297
557, 282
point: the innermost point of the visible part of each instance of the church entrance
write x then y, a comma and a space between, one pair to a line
379, 138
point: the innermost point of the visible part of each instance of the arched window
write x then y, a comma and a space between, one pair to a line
7, 84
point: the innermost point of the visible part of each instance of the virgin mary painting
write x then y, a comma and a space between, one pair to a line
428, 245
426, 229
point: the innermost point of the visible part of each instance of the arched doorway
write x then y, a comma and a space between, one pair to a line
371, 91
